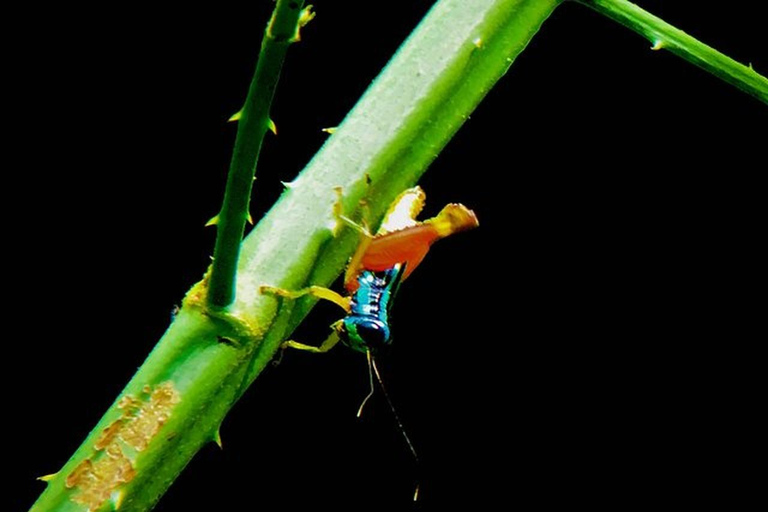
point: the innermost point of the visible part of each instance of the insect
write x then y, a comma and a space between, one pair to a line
373, 277
377, 268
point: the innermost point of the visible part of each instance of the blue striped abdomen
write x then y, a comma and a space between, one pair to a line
366, 327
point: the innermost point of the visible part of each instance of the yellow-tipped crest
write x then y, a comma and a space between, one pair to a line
453, 219
403, 211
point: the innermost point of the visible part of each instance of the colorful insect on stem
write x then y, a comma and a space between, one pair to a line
373, 276
377, 268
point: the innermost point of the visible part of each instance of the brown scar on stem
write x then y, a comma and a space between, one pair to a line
98, 478
96, 482
108, 434
78, 473
150, 417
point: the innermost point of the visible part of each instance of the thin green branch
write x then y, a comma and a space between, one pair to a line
253, 123
664, 36
201, 366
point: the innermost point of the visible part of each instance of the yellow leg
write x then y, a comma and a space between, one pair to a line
327, 345
316, 291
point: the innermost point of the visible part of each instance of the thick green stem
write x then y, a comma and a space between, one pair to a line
665, 36
182, 392
252, 125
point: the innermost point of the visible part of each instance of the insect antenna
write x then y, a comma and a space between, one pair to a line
370, 382
373, 369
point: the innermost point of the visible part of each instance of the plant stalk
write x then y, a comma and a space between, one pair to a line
664, 36
252, 126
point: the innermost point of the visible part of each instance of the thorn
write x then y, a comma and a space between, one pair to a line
305, 17
272, 126
478, 42
236, 116
292, 184
217, 438
330, 130
214, 221
657, 45
47, 478
250, 219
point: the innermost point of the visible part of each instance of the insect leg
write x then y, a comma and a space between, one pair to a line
315, 291
325, 346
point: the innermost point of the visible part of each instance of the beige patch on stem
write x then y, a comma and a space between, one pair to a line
97, 478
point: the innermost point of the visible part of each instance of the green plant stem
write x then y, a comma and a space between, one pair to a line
252, 126
406, 117
665, 36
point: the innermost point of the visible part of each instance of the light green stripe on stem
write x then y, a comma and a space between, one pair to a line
252, 126
664, 36
400, 125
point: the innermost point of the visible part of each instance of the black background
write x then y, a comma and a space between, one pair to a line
590, 344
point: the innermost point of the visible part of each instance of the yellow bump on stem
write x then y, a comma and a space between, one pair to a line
658, 44
272, 126
305, 17
236, 116
217, 438
250, 219
331, 130
213, 221
47, 478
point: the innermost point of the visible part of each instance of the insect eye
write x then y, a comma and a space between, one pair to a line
365, 334
374, 334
